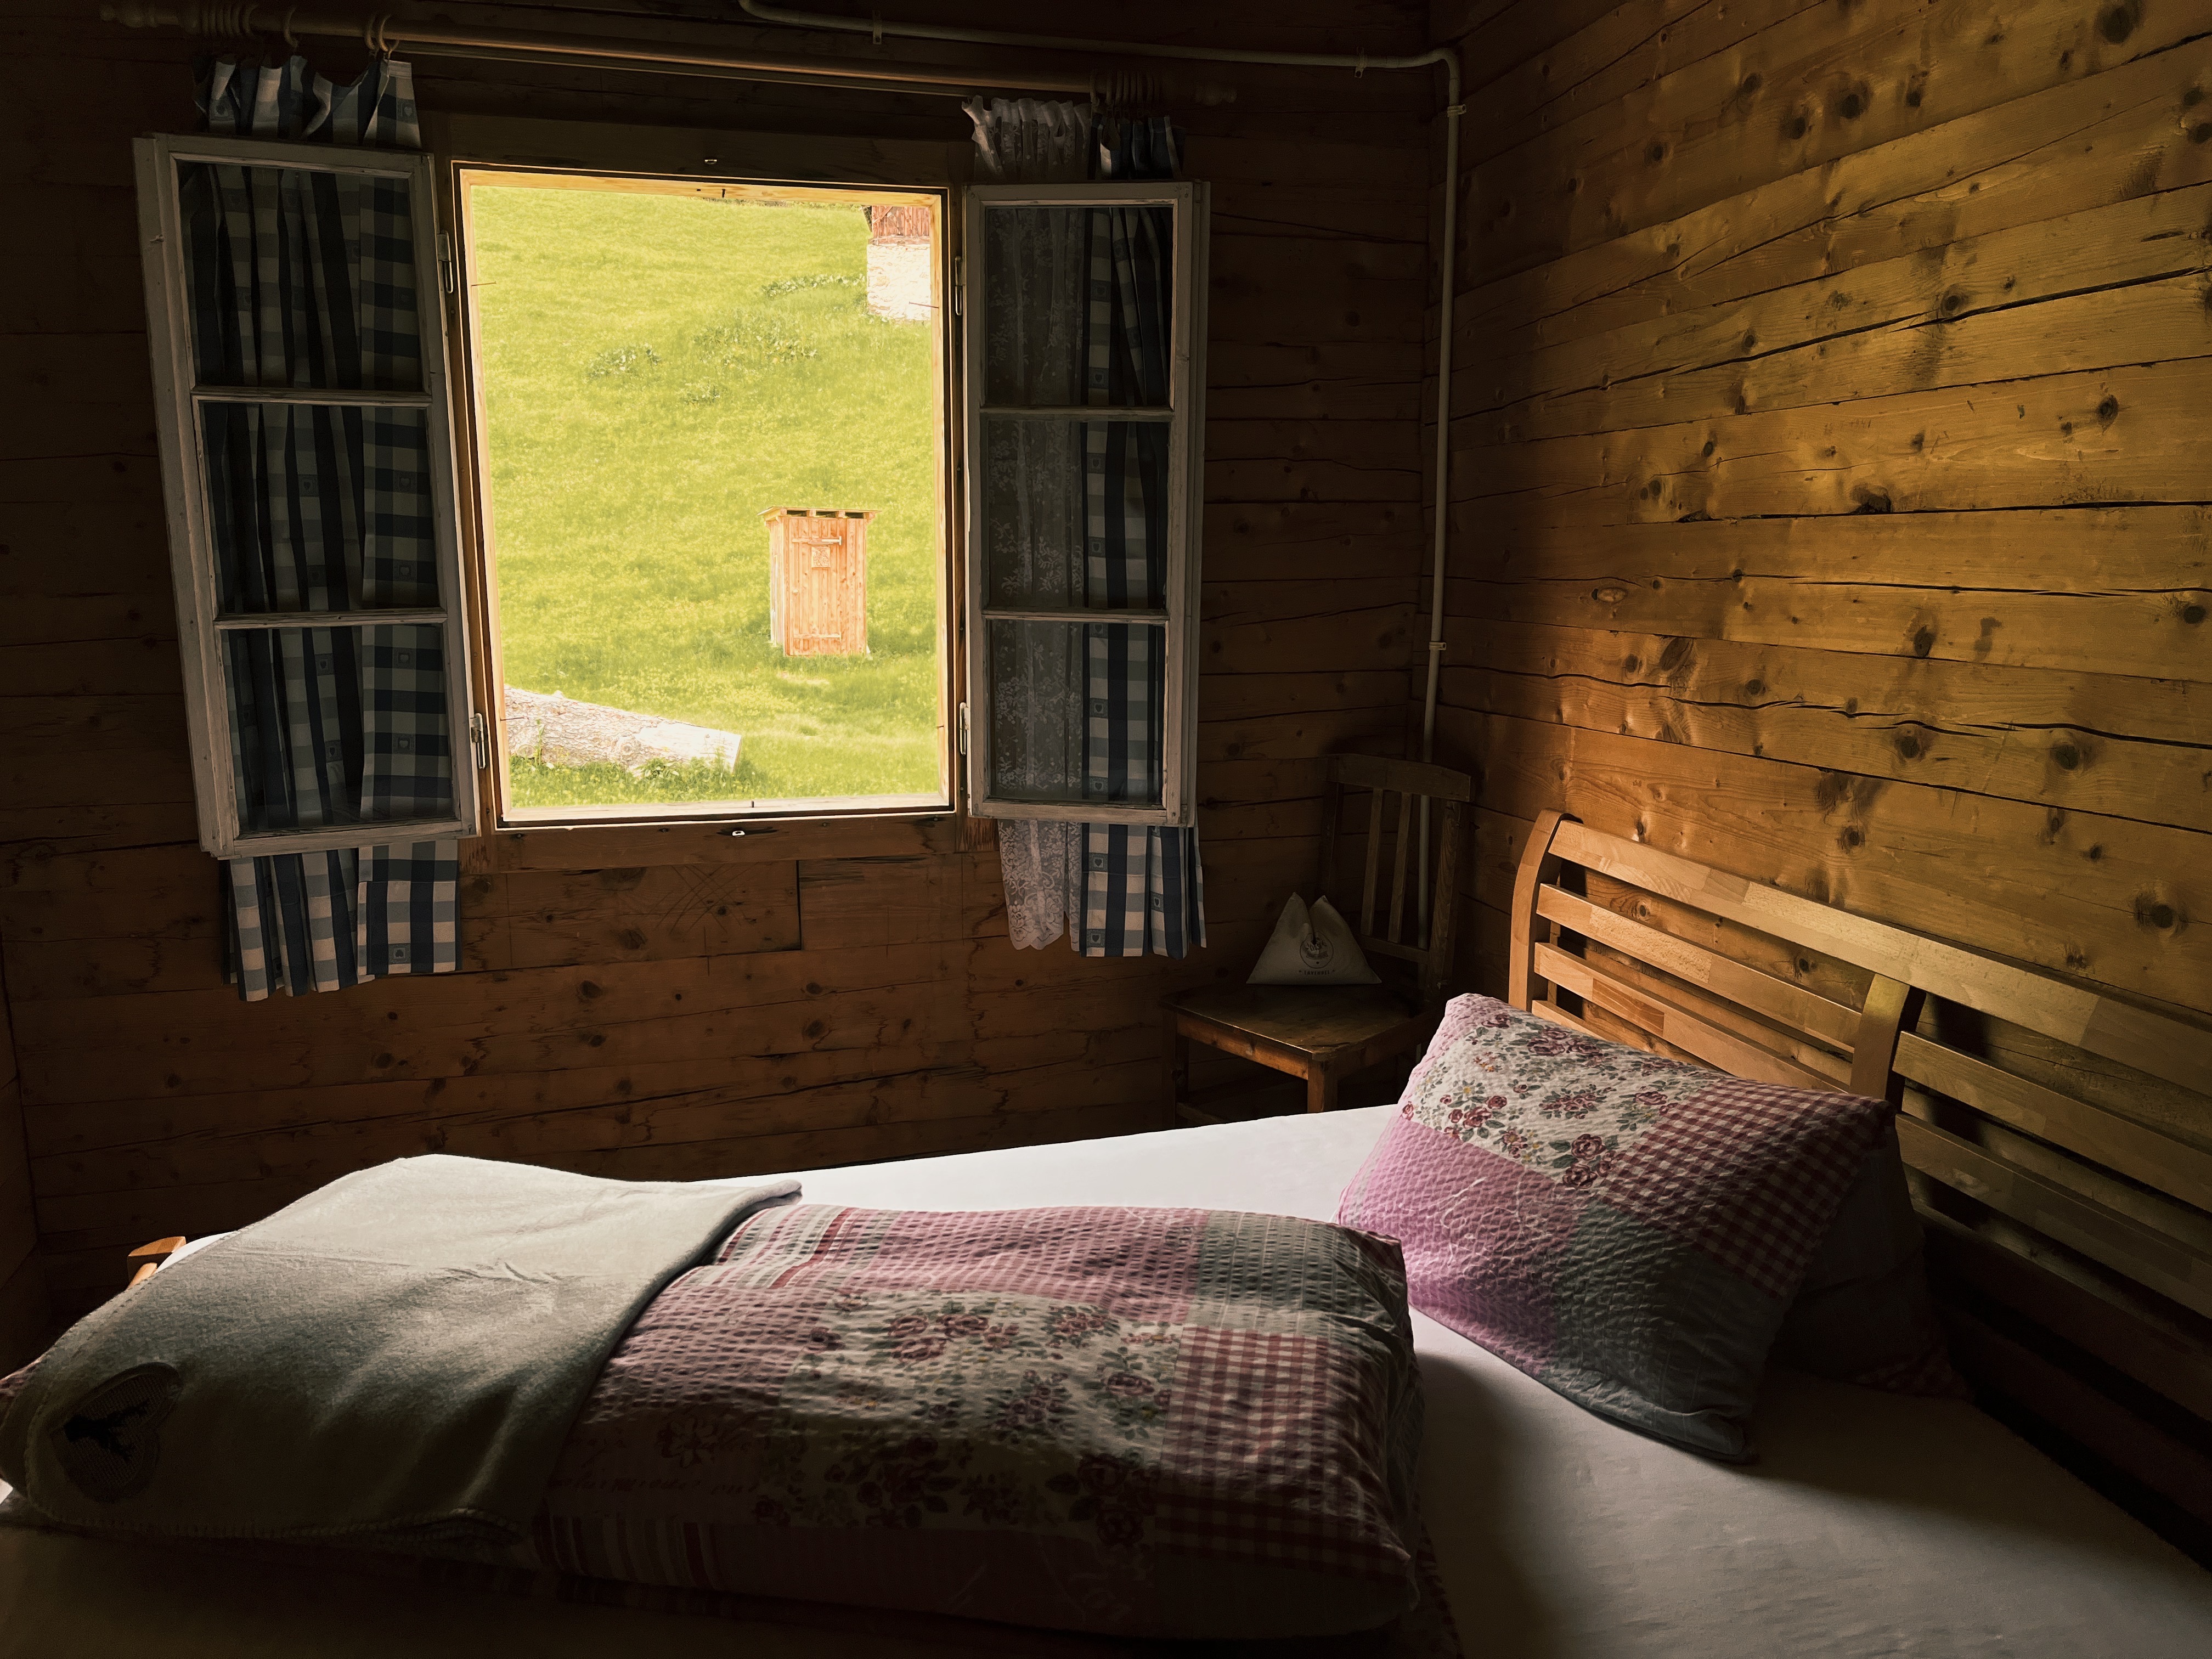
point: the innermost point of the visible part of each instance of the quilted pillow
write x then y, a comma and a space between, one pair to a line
1157, 1423
1863, 1314
1629, 1229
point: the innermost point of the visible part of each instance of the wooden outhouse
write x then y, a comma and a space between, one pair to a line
817, 581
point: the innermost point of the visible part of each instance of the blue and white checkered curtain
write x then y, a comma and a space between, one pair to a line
1142, 888
1117, 889
1147, 147
306, 280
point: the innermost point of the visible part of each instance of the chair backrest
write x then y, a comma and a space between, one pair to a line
1414, 922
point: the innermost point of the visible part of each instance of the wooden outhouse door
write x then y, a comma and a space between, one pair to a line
817, 576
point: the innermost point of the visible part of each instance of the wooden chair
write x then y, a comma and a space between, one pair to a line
1326, 1033
159, 1248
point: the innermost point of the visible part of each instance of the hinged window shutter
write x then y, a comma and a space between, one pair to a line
1084, 307
293, 297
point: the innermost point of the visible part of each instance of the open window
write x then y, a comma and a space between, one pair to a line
711, 446
1085, 324
299, 360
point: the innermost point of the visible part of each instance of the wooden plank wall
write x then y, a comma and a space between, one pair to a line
647, 1003
1829, 464
23, 1307
1829, 507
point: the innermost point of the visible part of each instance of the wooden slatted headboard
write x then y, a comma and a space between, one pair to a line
2059, 1141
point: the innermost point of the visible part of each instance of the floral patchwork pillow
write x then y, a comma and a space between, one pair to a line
1629, 1229
1155, 1423
1863, 1314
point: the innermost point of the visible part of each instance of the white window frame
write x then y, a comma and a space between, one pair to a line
1185, 416
661, 815
177, 398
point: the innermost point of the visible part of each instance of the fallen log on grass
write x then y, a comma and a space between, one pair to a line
559, 731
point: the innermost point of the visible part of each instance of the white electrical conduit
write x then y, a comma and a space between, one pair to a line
879, 27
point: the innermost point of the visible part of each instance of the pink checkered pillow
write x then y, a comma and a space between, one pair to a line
1145, 1423
1629, 1229
1863, 1314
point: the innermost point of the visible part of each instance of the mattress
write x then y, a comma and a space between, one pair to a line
1872, 1524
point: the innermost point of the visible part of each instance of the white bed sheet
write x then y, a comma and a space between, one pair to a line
1873, 1526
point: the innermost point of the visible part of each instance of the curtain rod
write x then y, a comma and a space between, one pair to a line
385, 31
880, 28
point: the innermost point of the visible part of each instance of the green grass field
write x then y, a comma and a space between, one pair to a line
657, 371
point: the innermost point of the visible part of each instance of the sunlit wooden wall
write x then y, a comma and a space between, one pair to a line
1829, 458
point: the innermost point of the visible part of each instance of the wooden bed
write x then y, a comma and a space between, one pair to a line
2058, 1142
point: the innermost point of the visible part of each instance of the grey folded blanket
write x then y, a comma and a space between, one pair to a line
394, 1360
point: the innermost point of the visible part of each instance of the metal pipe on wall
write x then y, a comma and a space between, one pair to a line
385, 31
1442, 511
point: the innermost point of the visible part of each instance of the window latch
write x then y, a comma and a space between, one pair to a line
959, 283
446, 262
964, 728
479, 740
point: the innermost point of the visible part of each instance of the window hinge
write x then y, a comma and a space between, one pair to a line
479, 741
959, 282
446, 266
964, 728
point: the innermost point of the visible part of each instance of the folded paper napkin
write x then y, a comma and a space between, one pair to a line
1312, 947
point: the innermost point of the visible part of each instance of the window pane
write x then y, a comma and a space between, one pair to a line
1076, 305
300, 278
1075, 712
338, 725
317, 508
1075, 513
711, 427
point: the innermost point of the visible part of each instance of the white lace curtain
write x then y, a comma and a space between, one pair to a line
1074, 516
